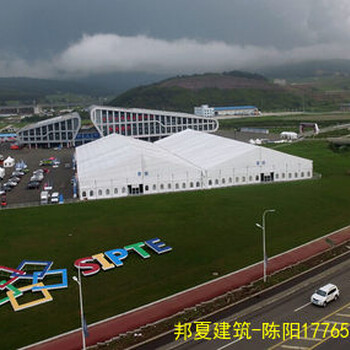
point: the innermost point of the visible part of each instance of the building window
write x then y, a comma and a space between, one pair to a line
91, 193
216, 181
100, 192
191, 184
243, 178
277, 176
230, 180
302, 174
198, 184
308, 174
250, 178
115, 191
295, 174
283, 175
257, 178
223, 181
177, 186
210, 182
183, 185
169, 186
237, 179
107, 192
161, 186
154, 187
289, 175
123, 190
84, 194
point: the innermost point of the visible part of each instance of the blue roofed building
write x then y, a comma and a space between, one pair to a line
229, 111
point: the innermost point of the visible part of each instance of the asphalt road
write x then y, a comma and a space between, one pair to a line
291, 306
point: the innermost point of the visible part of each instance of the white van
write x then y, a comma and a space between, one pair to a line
44, 197
325, 295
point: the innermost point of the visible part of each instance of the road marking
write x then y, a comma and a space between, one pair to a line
294, 347
314, 339
343, 315
322, 320
232, 342
301, 307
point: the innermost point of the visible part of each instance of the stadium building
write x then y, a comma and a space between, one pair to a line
53, 132
118, 166
146, 124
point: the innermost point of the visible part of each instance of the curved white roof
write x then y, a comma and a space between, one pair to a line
206, 150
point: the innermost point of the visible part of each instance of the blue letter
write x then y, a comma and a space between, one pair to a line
158, 246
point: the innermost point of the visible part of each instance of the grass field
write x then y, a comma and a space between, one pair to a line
210, 231
287, 121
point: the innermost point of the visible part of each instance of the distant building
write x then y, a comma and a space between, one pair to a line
53, 132
147, 124
206, 111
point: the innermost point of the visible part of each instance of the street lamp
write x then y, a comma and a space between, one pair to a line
78, 280
263, 228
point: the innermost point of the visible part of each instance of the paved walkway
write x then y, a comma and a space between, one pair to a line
112, 327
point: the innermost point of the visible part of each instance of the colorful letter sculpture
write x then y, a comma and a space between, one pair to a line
89, 266
4, 284
14, 293
47, 297
115, 258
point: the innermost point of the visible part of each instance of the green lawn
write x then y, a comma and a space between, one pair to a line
208, 230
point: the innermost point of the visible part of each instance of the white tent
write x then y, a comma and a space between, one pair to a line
9, 162
117, 165
227, 162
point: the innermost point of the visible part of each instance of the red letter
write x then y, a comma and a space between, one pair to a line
85, 264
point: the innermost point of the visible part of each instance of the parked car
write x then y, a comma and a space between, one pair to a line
48, 186
325, 295
10, 183
37, 177
3, 200
18, 173
6, 187
33, 185
15, 179
55, 197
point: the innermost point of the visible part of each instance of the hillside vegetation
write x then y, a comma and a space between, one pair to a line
225, 89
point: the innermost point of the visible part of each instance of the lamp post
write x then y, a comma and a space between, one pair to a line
263, 228
78, 280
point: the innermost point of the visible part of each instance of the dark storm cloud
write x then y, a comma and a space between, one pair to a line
47, 38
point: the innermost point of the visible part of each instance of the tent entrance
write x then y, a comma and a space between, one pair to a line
135, 189
267, 177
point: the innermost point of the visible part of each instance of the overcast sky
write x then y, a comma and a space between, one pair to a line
68, 38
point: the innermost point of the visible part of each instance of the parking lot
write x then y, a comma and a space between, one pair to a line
59, 177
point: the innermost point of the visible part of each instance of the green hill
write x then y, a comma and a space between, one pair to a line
230, 88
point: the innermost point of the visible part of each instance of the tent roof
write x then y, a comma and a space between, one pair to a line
204, 149
116, 151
